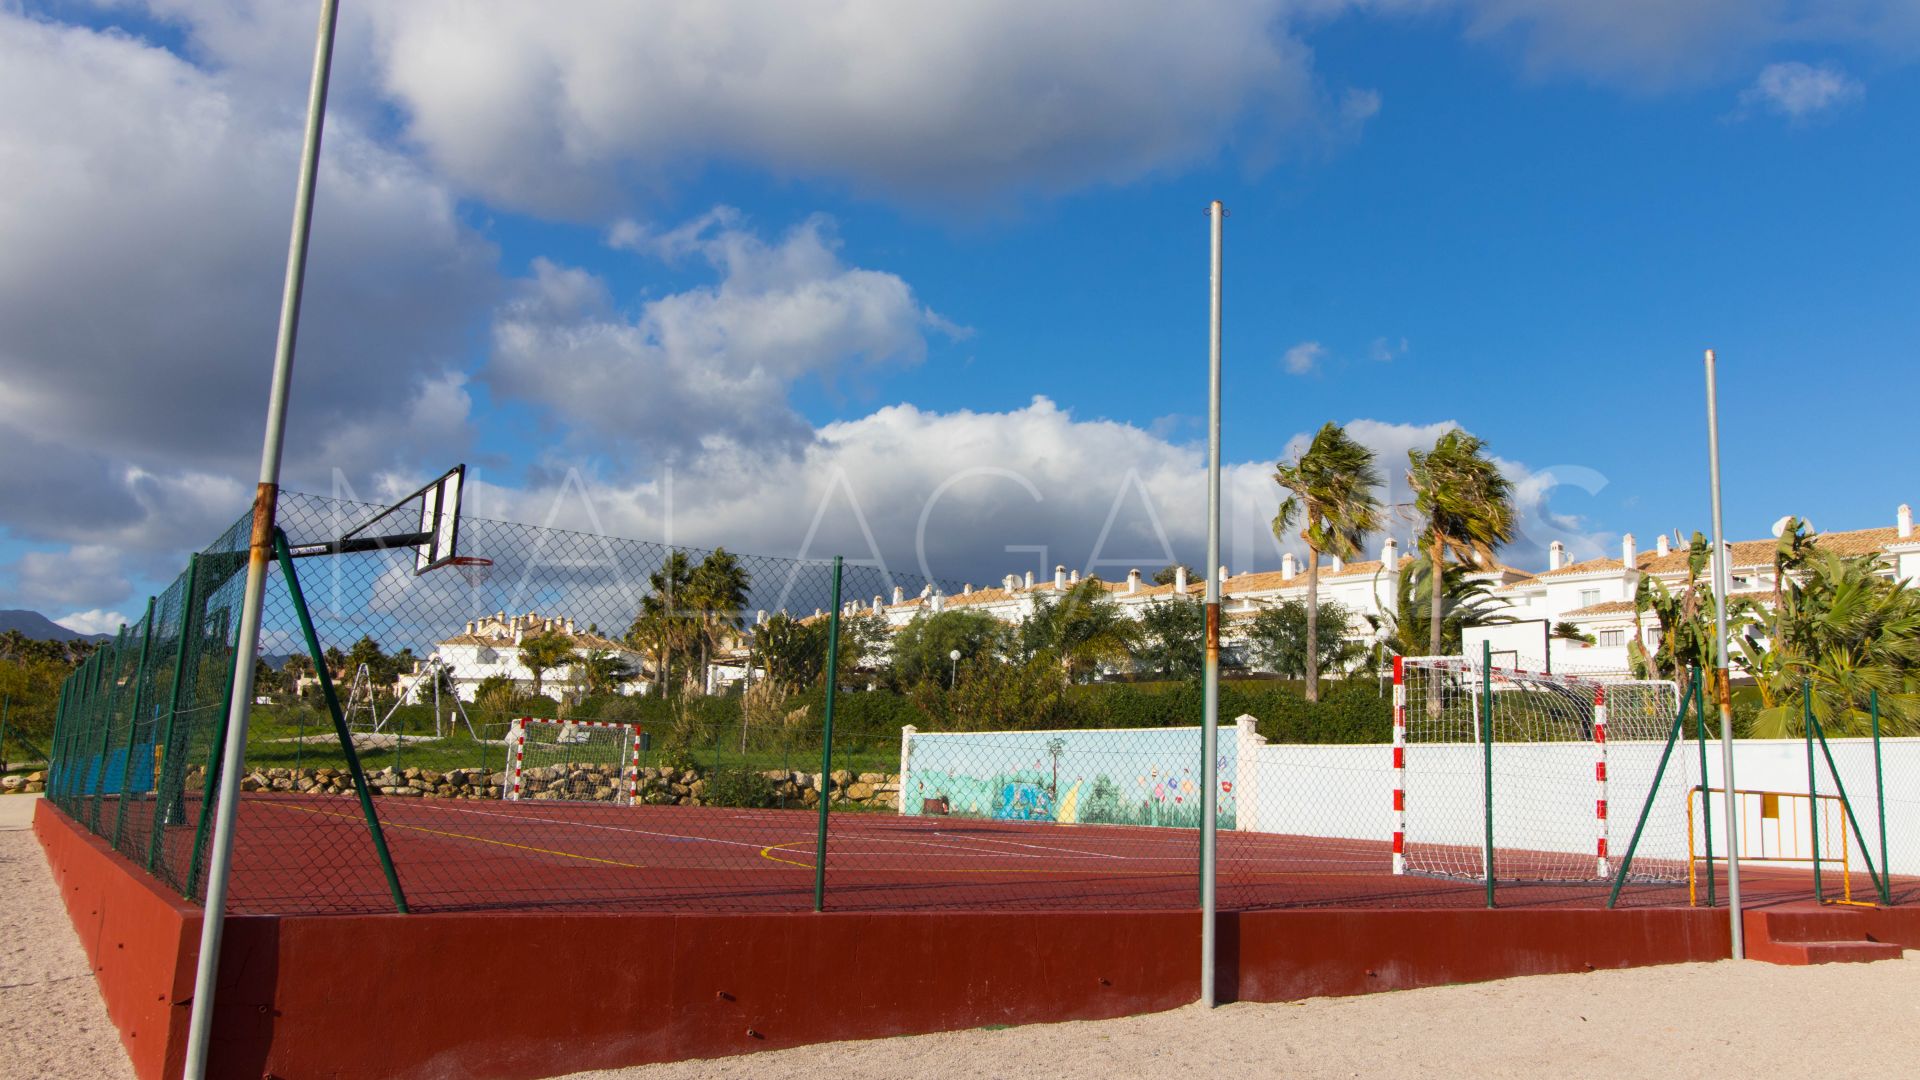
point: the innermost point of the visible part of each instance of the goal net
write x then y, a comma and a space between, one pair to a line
1574, 759
572, 761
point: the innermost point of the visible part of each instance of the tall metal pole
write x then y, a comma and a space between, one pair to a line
1721, 686
259, 555
825, 786
1210, 709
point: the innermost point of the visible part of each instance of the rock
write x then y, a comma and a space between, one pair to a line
887, 798
698, 788
430, 777
873, 778
680, 789
860, 791
36, 777
841, 778
12, 783
810, 795
411, 773
35, 785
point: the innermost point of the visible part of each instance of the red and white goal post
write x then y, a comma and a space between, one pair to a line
573, 761
1575, 759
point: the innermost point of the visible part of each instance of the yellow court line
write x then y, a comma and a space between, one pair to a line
485, 840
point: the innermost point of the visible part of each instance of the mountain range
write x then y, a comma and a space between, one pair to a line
40, 628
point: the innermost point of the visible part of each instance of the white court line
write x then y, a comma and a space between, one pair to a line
756, 845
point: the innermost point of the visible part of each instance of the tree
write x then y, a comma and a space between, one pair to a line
662, 628
1079, 630
1173, 634
789, 651
716, 593
542, 653
1166, 574
1284, 643
1405, 628
604, 670
923, 649
1332, 484
1848, 634
1468, 505
1686, 620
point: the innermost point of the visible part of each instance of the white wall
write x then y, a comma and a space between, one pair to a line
1544, 795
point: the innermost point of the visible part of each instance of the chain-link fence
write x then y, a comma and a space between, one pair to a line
570, 720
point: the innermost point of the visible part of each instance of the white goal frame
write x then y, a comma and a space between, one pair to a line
516, 760
1591, 798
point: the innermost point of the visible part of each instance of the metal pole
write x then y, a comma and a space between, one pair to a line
259, 554
1880, 800
6, 706
825, 786
1706, 787
1486, 751
1813, 789
1210, 694
1721, 684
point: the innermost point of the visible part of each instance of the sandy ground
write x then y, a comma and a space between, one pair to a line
52, 1021
1694, 1020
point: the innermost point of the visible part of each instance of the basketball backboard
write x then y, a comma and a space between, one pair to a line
428, 521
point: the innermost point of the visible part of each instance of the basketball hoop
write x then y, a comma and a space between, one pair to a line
473, 568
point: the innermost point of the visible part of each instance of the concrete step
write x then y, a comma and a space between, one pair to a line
1813, 937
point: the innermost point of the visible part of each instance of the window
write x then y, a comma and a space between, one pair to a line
1589, 597
1614, 638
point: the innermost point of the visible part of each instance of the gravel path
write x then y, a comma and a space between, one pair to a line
53, 1024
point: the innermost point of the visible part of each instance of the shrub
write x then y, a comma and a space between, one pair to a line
742, 788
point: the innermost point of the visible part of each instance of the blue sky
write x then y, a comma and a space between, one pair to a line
820, 258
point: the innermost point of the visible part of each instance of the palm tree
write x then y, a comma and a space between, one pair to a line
542, 653
1332, 484
604, 670
1849, 633
1464, 602
1468, 504
662, 627
1081, 629
716, 594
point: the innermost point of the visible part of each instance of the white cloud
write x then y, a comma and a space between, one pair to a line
1797, 91
557, 109
141, 246
712, 364
95, 621
1304, 358
79, 576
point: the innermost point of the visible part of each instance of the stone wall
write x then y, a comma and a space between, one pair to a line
23, 783
659, 786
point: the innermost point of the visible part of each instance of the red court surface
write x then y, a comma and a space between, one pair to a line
311, 854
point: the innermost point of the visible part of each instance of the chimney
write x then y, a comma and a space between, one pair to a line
1133, 581
939, 603
1390, 554
967, 589
877, 605
760, 617
1629, 552
569, 624
1073, 577
1029, 579
899, 595
926, 590
1660, 546
1903, 522
816, 613
1289, 566
469, 627
1059, 577
1224, 575
1009, 583
1556, 555
1339, 564
1180, 579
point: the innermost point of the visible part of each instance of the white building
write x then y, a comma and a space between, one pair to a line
490, 647
1595, 596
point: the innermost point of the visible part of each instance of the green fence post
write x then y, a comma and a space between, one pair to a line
133, 725
1486, 743
1646, 808
210, 780
76, 724
165, 787
1880, 799
59, 761
1706, 794
1848, 819
1813, 789
339, 721
826, 745
106, 733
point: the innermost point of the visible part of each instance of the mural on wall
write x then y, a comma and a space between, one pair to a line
1143, 776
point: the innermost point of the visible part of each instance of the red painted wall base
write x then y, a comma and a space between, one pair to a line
506, 996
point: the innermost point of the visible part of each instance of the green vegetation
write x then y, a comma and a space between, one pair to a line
1331, 485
